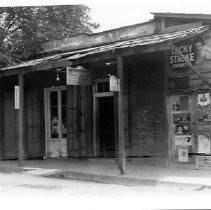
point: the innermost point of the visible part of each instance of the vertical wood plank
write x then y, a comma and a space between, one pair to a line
122, 156
2, 124
126, 115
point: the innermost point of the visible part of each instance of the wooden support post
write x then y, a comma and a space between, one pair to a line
122, 156
194, 69
20, 119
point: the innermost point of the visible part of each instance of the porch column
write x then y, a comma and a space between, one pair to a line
20, 119
122, 156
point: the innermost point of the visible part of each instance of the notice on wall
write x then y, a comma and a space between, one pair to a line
114, 83
181, 118
183, 153
182, 129
183, 140
203, 107
203, 144
17, 101
203, 99
78, 76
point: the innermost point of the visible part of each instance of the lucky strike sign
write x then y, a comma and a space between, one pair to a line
176, 63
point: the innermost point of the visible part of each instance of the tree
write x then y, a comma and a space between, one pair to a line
24, 29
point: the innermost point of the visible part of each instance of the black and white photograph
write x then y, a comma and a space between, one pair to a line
105, 104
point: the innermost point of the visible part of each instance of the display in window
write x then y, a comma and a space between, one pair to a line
181, 118
182, 129
204, 143
183, 153
183, 140
54, 128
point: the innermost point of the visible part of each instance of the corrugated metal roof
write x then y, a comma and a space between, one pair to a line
144, 41
141, 41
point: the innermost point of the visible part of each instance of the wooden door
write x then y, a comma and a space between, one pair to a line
56, 125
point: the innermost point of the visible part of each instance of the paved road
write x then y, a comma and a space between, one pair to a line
19, 191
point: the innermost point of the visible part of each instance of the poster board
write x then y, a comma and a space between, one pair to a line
204, 143
183, 140
183, 153
17, 99
78, 76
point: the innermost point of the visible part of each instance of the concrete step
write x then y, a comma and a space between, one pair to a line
120, 180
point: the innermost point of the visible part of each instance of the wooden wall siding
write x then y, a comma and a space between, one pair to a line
146, 120
1, 125
33, 135
126, 115
78, 128
10, 127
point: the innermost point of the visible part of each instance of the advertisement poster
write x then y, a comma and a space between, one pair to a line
196, 52
176, 63
183, 154
203, 107
183, 140
182, 129
203, 99
181, 118
203, 144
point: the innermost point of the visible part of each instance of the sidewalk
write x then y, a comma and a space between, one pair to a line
106, 171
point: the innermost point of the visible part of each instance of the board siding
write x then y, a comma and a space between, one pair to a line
78, 128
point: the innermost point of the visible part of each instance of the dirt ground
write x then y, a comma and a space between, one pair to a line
20, 191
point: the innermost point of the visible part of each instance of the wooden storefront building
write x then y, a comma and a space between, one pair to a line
152, 111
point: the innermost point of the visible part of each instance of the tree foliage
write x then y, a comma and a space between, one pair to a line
23, 29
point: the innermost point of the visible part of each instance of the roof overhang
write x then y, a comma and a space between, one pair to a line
182, 15
152, 43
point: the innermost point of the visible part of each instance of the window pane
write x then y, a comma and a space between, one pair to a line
54, 123
64, 122
63, 94
53, 98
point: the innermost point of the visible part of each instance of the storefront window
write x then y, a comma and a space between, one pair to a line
64, 120
54, 114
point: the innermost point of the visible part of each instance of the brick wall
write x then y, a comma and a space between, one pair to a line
146, 93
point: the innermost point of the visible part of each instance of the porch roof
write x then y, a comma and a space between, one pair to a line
54, 61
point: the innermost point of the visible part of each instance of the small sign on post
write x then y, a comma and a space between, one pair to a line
17, 101
78, 76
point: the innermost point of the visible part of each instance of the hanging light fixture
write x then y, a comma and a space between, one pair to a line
57, 75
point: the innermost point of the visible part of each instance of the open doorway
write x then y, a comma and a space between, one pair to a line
105, 126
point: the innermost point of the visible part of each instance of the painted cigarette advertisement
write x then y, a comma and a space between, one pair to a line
197, 52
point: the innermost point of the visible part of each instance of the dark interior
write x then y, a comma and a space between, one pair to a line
106, 127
